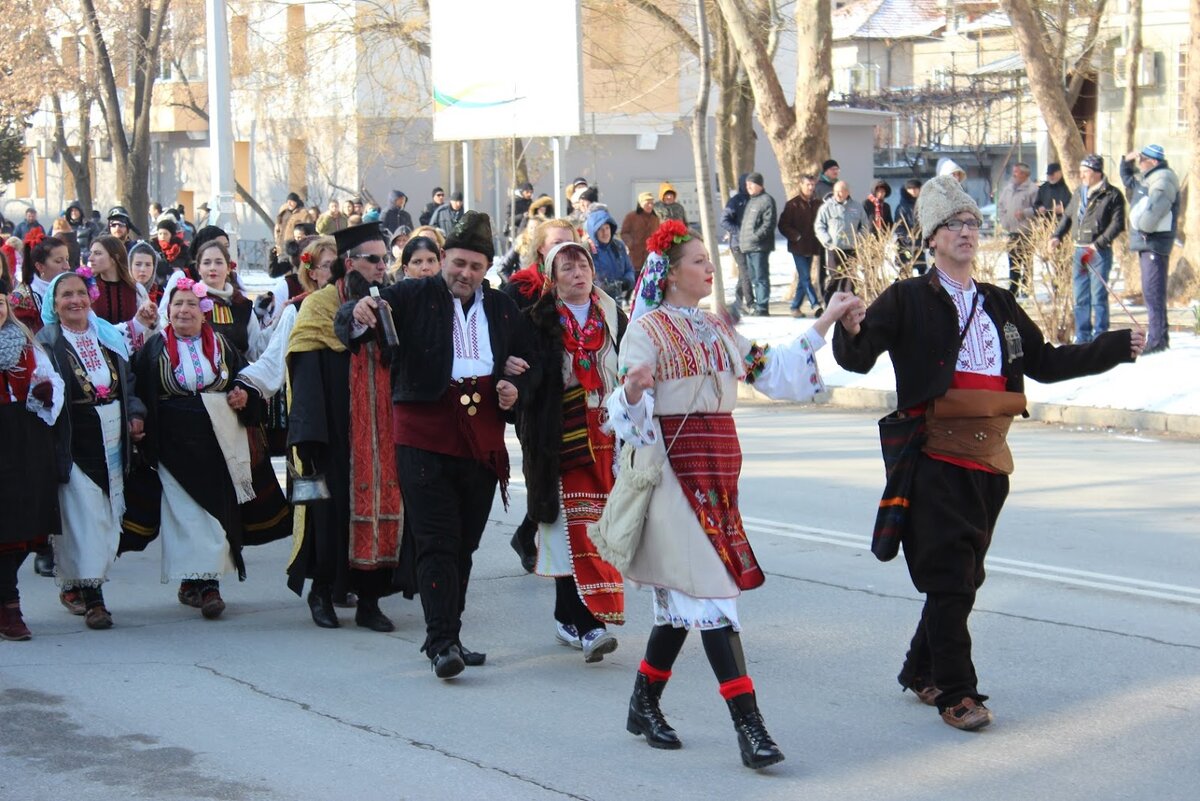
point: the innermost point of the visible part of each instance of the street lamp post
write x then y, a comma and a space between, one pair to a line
220, 123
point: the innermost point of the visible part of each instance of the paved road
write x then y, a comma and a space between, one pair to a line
1087, 639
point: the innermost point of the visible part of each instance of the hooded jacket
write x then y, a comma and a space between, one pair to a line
669, 211
731, 215
1153, 207
393, 218
612, 261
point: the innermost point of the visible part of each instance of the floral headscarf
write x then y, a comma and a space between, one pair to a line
652, 283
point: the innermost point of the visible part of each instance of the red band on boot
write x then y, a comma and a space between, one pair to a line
653, 673
735, 687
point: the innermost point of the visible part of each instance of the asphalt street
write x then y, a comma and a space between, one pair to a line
1087, 639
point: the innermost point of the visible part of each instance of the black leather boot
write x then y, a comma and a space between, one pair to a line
525, 545
43, 563
369, 616
757, 747
645, 716
320, 603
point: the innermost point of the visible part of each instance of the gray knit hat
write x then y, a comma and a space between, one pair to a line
941, 198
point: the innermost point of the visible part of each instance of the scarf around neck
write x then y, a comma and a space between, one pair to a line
12, 345
583, 342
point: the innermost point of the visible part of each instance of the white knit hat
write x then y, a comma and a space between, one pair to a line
940, 199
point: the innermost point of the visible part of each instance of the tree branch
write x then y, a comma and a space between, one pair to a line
670, 23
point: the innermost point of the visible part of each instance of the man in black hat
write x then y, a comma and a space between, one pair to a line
289, 214
459, 340
830, 170
1053, 195
340, 426
120, 225
448, 215
437, 198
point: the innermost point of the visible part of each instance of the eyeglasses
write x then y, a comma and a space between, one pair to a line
957, 225
373, 259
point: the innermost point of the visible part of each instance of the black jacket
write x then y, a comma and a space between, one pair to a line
1048, 194
1103, 219
540, 412
916, 322
423, 311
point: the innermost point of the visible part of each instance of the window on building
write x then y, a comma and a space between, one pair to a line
180, 58
70, 56
861, 79
297, 40
1181, 78
239, 46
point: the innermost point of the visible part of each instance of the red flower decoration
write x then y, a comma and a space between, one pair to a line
305, 258
34, 237
670, 233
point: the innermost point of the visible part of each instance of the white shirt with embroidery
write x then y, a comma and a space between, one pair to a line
194, 372
87, 347
981, 348
472, 344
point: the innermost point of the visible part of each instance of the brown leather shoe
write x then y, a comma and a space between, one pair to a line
968, 715
12, 625
925, 691
211, 603
72, 601
98, 618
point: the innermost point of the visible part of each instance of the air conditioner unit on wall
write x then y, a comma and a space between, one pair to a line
1147, 74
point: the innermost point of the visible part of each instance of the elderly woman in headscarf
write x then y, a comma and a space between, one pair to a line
682, 365
568, 458
31, 398
93, 441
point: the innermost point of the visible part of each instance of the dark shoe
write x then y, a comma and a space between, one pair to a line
347, 601
12, 625
1159, 348
321, 606
449, 663
798, 313
72, 599
817, 312
471, 658
762, 311
924, 689
523, 543
967, 715
98, 618
369, 616
755, 743
189, 594
211, 603
646, 718
43, 563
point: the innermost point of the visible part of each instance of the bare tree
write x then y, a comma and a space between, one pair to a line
1192, 100
799, 132
700, 149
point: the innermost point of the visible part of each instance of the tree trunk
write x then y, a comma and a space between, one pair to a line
1192, 219
80, 167
1046, 84
1133, 55
700, 154
799, 134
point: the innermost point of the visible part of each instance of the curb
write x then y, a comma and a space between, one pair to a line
1129, 419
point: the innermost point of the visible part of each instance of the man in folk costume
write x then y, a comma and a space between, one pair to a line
340, 426
961, 350
568, 458
459, 341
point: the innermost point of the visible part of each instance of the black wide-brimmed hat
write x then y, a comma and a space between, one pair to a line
349, 238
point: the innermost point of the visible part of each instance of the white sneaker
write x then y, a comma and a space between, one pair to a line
566, 634
596, 643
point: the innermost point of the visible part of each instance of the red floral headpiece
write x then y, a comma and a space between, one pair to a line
669, 234
34, 238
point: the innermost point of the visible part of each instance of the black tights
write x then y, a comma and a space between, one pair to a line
723, 647
569, 608
10, 563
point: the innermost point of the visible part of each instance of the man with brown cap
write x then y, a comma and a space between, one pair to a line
961, 350
339, 426
452, 393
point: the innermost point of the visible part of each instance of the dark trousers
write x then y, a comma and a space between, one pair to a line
759, 266
1018, 263
569, 608
1154, 289
10, 563
831, 270
446, 500
952, 514
744, 294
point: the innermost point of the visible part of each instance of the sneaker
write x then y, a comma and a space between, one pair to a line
967, 715
72, 600
566, 634
596, 643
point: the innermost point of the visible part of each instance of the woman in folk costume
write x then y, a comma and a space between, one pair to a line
568, 460
232, 314
31, 398
120, 300
43, 260
93, 441
197, 441
682, 367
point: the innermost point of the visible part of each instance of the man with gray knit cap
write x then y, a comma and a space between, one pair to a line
1153, 190
961, 351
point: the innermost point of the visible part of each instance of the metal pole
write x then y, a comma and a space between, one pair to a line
559, 205
467, 195
220, 123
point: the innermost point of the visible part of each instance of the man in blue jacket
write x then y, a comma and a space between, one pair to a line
731, 223
1153, 190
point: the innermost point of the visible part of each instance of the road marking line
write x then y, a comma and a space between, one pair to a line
1015, 567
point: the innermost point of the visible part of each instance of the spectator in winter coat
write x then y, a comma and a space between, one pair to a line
439, 198
517, 209
878, 212
667, 208
731, 222
289, 214
30, 223
1053, 195
756, 238
908, 231
332, 220
170, 246
840, 223
797, 223
1015, 209
396, 216
614, 269
830, 170
1097, 215
85, 229
637, 227
1153, 218
449, 214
